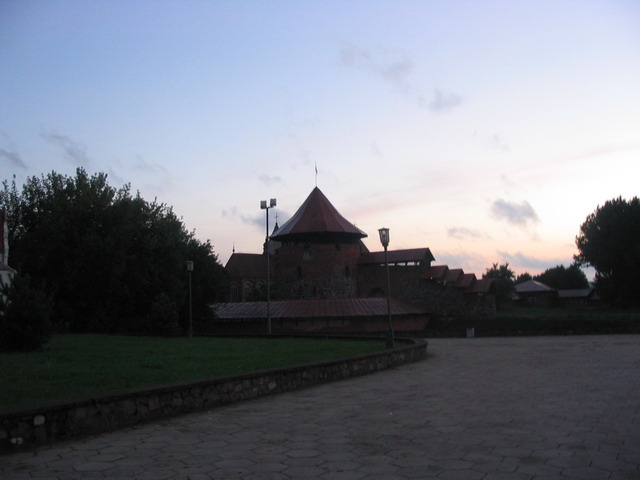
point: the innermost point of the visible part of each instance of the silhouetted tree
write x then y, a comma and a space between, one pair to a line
109, 259
562, 278
24, 316
523, 277
504, 281
609, 241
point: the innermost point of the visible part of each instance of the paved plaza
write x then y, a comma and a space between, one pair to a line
483, 408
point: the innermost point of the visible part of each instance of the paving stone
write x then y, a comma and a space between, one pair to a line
492, 408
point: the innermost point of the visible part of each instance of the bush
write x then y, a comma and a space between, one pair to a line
24, 316
163, 319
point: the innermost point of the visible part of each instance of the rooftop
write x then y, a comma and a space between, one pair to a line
341, 307
318, 220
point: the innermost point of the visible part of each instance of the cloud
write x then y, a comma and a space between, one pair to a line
443, 101
395, 68
496, 142
461, 233
13, 158
75, 152
469, 262
514, 213
151, 168
269, 180
375, 151
256, 220
382, 62
521, 260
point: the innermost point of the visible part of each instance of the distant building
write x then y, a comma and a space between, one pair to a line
534, 293
6, 272
318, 256
538, 294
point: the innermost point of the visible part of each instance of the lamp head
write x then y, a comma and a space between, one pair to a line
384, 237
189, 265
272, 202
263, 204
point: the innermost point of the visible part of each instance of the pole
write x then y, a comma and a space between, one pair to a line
390, 339
268, 278
190, 309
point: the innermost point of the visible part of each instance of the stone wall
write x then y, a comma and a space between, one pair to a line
28, 427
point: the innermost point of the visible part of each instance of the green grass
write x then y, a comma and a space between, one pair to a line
77, 366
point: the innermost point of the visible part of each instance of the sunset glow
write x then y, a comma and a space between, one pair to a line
484, 130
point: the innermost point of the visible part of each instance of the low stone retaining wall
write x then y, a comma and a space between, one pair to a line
29, 427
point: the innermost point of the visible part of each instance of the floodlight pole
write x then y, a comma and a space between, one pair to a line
264, 206
190, 270
384, 239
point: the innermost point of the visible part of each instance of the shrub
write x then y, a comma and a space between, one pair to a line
24, 316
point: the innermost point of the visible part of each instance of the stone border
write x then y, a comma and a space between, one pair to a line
59, 421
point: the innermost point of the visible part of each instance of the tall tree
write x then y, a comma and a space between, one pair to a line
523, 277
504, 281
609, 242
562, 278
110, 260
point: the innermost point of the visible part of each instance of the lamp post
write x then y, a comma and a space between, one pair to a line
264, 206
384, 239
190, 270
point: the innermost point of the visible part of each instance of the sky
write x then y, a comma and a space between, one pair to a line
485, 130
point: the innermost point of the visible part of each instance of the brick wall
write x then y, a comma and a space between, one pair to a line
316, 271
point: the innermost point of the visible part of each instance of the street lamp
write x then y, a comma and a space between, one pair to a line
384, 239
263, 206
190, 270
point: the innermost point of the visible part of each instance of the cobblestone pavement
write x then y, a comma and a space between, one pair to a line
483, 408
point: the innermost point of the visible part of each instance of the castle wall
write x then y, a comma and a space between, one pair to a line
406, 284
304, 271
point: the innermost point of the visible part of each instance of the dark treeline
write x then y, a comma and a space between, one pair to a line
109, 260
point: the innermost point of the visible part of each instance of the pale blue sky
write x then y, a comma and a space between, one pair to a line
485, 130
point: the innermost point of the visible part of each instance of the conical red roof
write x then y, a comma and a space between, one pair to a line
318, 221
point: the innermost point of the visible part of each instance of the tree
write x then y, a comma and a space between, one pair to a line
504, 281
609, 242
523, 277
110, 260
24, 316
562, 278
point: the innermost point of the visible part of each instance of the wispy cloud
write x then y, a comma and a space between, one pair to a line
523, 261
13, 158
395, 68
496, 142
75, 152
469, 262
519, 214
255, 220
390, 65
269, 180
460, 233
442, 101
143, 166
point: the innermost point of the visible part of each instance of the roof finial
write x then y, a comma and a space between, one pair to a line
234, 248
316, 165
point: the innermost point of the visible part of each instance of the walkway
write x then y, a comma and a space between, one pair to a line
495, 408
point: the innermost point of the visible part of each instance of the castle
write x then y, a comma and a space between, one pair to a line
324, 279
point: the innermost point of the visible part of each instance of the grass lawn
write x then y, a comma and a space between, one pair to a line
76, 366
